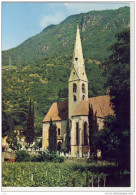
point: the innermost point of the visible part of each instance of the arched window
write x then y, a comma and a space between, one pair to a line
74, 87
83, 97
85, 134
83, 88
74, 98
77, 133
58, 131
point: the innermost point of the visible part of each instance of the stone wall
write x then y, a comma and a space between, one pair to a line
8, 155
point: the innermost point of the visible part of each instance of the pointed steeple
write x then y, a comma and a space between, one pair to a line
78, 54
78, 61
78, 82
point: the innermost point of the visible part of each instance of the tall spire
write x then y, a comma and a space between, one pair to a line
78, 82
78, 60
78, 54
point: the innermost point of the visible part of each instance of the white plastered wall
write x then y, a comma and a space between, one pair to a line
45, 132
81, 120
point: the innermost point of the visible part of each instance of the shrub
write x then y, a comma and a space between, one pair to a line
46, 156
19, 146
42, 155
34, 158
35, 147
22, 156
53, 157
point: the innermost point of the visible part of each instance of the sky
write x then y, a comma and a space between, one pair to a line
23, 20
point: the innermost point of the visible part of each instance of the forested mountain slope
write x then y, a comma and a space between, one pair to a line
40, 67
97, 32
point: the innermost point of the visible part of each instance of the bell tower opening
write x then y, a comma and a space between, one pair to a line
83, 88
74, 87
74, 98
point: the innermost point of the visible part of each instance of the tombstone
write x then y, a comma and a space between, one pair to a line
88, 155
67, 154
98, 153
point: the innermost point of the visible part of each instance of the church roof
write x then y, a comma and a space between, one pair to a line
101, 106
57, 112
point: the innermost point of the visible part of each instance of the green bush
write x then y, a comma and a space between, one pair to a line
42, 155
53, 157
22, 156
34, 158
19, 146
46, 156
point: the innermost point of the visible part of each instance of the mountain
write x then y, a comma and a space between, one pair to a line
98, 29
40, 67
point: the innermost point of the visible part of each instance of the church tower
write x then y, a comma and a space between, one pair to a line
78, 82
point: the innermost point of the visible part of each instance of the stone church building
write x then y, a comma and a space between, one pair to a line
76, 109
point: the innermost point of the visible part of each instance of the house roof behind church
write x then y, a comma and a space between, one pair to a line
101, 106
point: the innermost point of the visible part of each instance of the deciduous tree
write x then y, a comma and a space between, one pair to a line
117, 67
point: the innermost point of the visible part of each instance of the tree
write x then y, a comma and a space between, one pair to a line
107, 140
68, 148
8, 119
117, 67
12, 139
30, 125
52, 137
93, 128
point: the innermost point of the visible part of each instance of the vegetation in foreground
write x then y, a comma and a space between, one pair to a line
35, 174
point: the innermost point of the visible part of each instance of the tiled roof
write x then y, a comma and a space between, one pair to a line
57, 112
101, 106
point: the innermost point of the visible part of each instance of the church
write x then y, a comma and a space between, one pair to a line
76, 109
